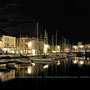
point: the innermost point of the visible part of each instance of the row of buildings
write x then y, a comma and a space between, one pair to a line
34, 46
80, 47
23, 45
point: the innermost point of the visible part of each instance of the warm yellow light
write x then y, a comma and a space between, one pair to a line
58, 63
75, 47
81, 46
58, 47
29, 44
81, 62
46, 46
33, 64
33, 51
53, 51
0, 73
75, 61
29, 70
45, 66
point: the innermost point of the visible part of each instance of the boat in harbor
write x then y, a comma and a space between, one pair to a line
42, 58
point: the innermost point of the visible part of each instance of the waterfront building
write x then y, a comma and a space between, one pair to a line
80, 47
87, 47
22, 44
37, 47
80, 44
74, 48
30, 45
8, 44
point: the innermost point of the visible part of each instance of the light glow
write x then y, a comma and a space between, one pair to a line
33, 64
29, 70
45, 66
81, 62
58, 63
75, 61
29, 44
81, 46
46, 46
33, 51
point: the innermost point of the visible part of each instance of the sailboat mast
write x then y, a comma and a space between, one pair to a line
52, 42
56, 38
37, 31
37, 40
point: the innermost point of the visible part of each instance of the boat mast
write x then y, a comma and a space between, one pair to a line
45, 37
56, 40
37, 38
37, 31
52, 42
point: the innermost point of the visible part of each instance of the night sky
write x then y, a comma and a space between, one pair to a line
70, 18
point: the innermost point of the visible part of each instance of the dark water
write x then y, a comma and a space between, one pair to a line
71, 73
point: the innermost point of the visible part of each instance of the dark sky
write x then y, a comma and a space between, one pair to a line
70, 18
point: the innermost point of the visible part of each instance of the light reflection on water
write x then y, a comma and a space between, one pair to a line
56, 68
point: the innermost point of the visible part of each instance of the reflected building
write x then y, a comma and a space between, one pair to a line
5, 76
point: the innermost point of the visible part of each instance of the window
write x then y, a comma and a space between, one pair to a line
26, 40
12, 45
6, 39
12, 40
6, 44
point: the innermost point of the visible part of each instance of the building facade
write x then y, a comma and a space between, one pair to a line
8, 44
22, 44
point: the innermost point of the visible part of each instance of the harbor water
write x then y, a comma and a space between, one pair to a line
57, 74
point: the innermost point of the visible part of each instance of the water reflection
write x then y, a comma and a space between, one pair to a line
45, 66
75, 61
55, 68
29, 69
58, 63
5, 76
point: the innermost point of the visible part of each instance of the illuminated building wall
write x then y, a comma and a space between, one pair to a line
79, 44
22, 44
8, 43
35, 46
87, 46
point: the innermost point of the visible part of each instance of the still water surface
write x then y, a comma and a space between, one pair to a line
72, 68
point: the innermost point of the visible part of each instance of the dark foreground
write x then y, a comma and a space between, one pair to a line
43, 84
